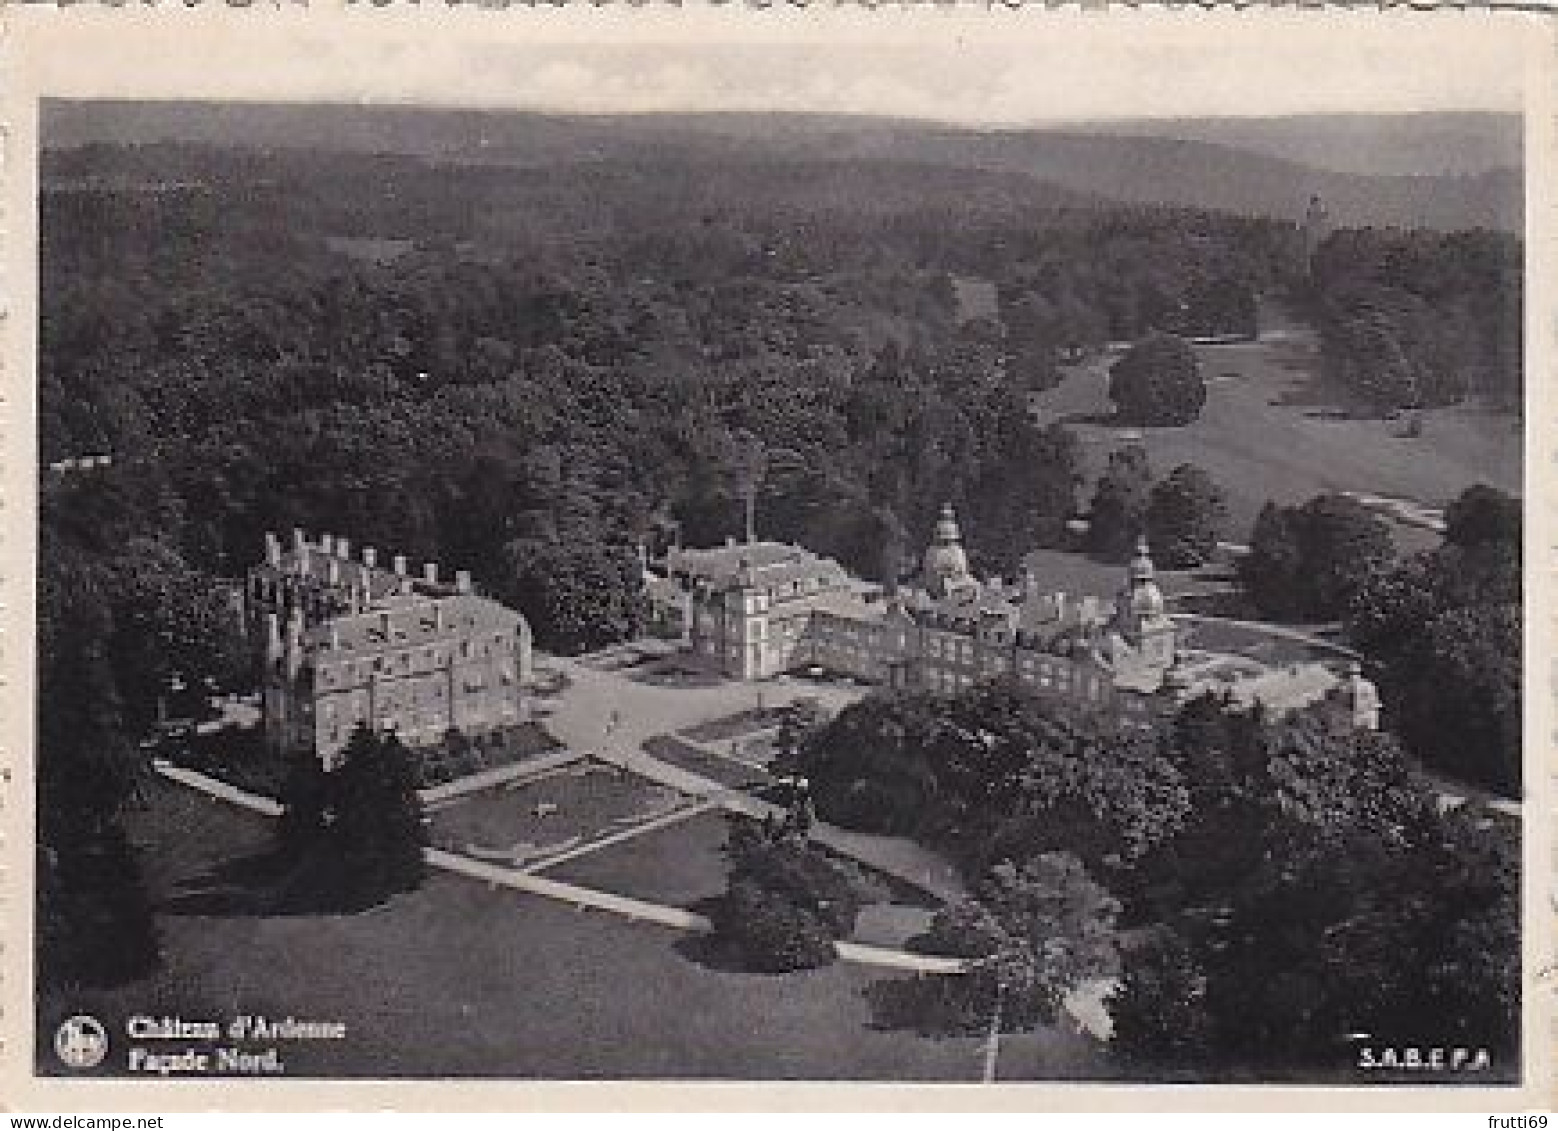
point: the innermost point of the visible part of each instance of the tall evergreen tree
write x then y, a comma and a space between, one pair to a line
95, 924
379, 826
1119, 511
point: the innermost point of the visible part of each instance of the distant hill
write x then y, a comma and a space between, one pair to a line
1392, 145
1208, 175
1247, 167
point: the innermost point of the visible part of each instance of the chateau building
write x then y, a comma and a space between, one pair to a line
344, 641
758, 609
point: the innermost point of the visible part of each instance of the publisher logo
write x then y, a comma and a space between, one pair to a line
81, 1042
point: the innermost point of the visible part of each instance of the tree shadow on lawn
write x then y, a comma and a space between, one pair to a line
672, 674
928, 1005
709, 951
1323, 399
271, 882
1102, 418
1232, 603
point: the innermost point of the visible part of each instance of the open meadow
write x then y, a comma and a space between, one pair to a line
1271, 431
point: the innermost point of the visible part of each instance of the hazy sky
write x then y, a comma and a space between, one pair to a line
972, 65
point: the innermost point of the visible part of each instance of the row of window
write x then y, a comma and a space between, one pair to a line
951, 648
420, 723
408, 696
353, 672
1045, 677
945, 681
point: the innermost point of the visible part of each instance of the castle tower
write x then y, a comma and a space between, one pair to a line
945, 565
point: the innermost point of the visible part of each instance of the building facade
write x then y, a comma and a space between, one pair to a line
344, 641
760, 609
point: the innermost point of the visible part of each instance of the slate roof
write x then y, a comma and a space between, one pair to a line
410, 621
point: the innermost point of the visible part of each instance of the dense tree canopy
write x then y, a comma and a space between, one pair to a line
1315, 890
995, 773
1445, 629
1308, 562
577, 597
1411, 318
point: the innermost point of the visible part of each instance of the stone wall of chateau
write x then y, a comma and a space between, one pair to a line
757, 611
343, 642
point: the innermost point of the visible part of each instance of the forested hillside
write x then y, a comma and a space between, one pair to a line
448, 360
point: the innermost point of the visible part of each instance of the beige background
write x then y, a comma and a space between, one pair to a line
970, 64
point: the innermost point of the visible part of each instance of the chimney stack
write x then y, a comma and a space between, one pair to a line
462, 580
272, 550
327, 544
343, 548
299, 539
294, 646
370, 557
272, 637
430, 573
400, 565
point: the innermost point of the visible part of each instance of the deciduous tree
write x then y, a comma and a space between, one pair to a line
1158, 382
1185, 516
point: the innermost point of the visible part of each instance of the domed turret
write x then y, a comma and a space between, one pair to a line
945, 564
1142, 597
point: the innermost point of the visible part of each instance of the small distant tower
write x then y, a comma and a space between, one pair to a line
1315, 228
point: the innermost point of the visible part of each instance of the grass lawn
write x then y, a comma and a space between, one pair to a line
552, 810
460, 980
680, 864
684, 863
1081, 575
1274, 651
1267, 432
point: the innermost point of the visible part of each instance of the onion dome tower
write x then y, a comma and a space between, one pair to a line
945, 565
1141, 611
1141, 594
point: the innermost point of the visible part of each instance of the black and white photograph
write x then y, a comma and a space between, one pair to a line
992, 557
